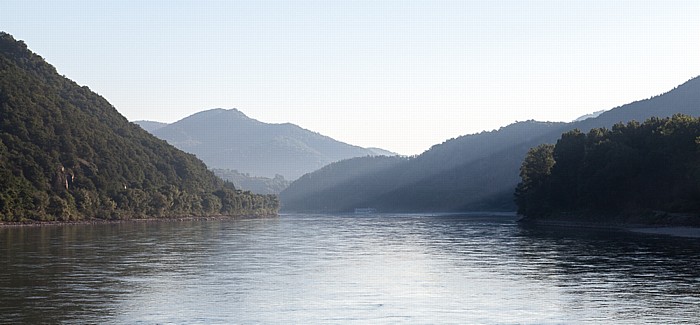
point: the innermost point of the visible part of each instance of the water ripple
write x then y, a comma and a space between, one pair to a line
345, 269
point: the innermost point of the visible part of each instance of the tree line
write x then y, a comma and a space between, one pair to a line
631, 170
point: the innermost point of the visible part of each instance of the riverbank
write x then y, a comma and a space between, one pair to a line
689, 231
34, 223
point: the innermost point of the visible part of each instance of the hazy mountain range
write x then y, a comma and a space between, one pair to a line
150, 126
228, 139
255, 184
581, 118
472, 172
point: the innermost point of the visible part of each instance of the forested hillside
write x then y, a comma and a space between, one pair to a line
632, 171
474, 172
67, 154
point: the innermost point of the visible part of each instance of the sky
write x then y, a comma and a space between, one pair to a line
398, 75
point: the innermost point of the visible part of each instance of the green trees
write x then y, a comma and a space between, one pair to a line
67, 154
630, 169
531, 192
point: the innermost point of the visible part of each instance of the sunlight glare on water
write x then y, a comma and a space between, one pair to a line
344, 269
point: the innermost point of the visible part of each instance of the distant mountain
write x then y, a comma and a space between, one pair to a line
473, 172
67, 154
587, 116
342, 186
228, 139
255, 184
684, 99
461, 174
150, 126
381, 152
243, 181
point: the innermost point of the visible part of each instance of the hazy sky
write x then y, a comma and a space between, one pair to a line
400, 75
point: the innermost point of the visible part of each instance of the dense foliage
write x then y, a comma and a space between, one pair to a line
260, 185
67, 154
631, 169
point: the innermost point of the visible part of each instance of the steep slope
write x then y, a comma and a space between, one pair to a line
381, 152
684, 99
228, 139
67, 154
475, 172
587, 116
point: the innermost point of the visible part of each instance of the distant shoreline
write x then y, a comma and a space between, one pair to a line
667, 230
33, 223
688, 232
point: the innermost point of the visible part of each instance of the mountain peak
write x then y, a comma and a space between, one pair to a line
228, 139
222, 112
234, 112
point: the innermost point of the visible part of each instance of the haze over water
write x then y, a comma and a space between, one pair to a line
344, 269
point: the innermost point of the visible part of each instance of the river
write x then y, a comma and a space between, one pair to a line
369, 269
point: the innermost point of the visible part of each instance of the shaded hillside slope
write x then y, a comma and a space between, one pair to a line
228, 139
345, 184
475, 172
428, 182
67, 154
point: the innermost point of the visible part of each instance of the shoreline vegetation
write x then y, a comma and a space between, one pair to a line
686, 231
98, 221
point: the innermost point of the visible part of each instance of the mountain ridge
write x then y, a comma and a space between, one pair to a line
228, 139
477, 171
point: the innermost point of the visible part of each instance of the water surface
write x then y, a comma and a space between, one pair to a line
344, 269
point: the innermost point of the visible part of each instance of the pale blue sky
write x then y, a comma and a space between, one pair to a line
401, 75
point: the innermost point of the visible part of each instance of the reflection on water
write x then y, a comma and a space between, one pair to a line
335, 269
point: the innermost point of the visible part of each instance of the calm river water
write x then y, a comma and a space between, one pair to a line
306, 269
